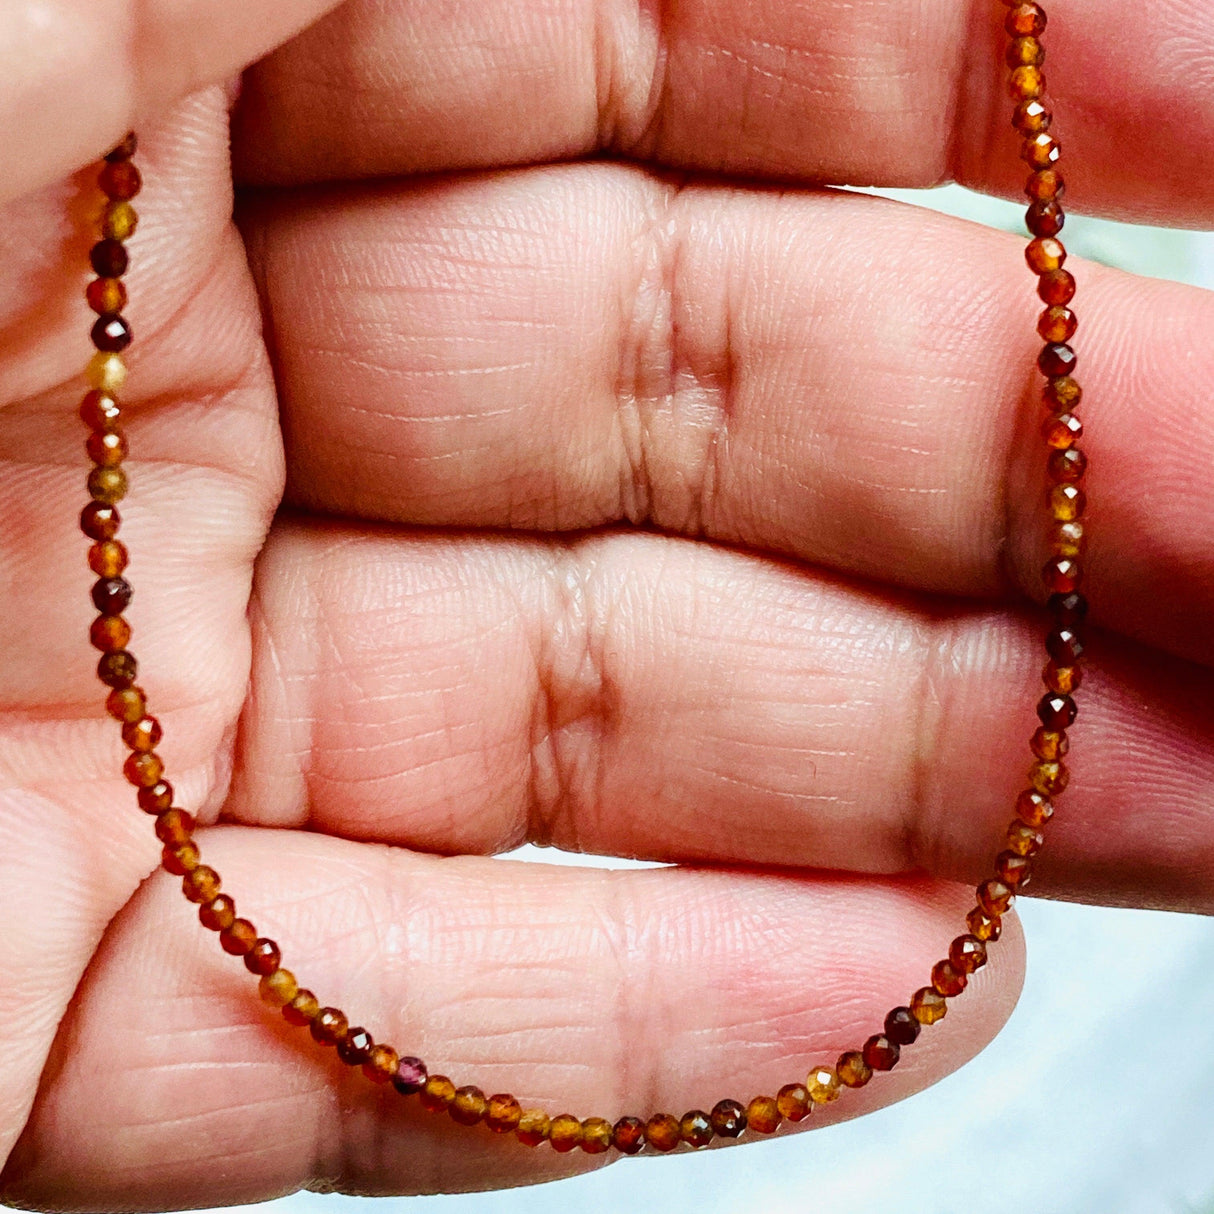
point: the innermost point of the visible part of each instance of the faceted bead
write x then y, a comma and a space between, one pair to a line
1062, 574
112, 595
108, 258
534, 1126
1063, 679
105, 372
947, 979
279, 988
200, 884
1061, 431
984, 927
117, 669
1030, 117
1068, 539
793, 1102
881, 1053
1057, 712
108, 558
1033, 808
330, 1025
1044, 185
1066, 467
142, 735
120, 180
263, 958
156, 798
565, 1133
302, 1010
902, 1027
1024, 839
109, 633
662, 1132
1013, 870
143, 770
1045, 219
695, 1128
382, 1060
238, 938
853, 1070
410, 1075
124, 150
1049, 743
111, 334
437, 1094
596, 1135
355, 1047
1062, 394
107, 485
928, 1005
1025, 21
728, 1119
1025, 52
119, 223
503, 1114
106, 449
763, 1115
628, 1135
106, 296
1044, 255
1056, 287
1067, 502
180, 858
823, 1085
1064, 645
217, 915
1026, 83
100, 411
1049, 777
100, 521
1042, 150
1056, 359
967, 954
994, 897
175, 826
1057, 324
468, 1105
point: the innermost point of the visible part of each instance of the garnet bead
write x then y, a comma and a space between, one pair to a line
329, 1025
468, 1105
410, 1076
381, 1063
437, 1094
695, 1128
120, 180
263, 957
108, 258
106, 296
503, 1113
596, 1135
928, 1005
112, 334
1025, 20
901, 1026
238, 938
947, 979
662, 1132
793, 1102
218, 914
881, 1053
1056, 287
628, 1135
763, 1115
967, 954
533, 1127
117, 669
566, 1132
728, 1119
302, 1010
853, 1070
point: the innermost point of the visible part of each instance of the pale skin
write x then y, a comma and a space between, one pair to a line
618, 506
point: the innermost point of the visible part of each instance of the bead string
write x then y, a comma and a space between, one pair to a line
119, 181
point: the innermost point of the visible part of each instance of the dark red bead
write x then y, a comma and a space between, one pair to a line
263, 958
1068, 610
108, 258
112, 595
410, 1076
1045, 219
1056, 287
628, 1135
111, 334
117, 669
156, 798
1057, 712
728, 1119
124, 150
1057, 359
881, 1053
120, 180
901, 1026
99, 521
355, 1047
1065, 646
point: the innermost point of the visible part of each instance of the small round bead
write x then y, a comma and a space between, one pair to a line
503, 1113
947, 979
967, 954
1031, 117
263, 958
117, 669
1039, 151
1056, 287
119, 223
437, 1094
180, 858
994, 897
106, 296
105, 372
984, 927
217, 915
119, 180
1044, 255
111, 334
1057, 712
1062, 574
1061, 431
112, 595
156, 798
793, 1102
238, 937
100, 411
1025, 21
728, 1119
175, 826
200, 884
763, 1115
695, 1128
902, 1027
124, 150
1057, 323
533, 1127
1049, 743
1013, 870
822, 1084
1067, 503
355, 1047
106, 449
109, 259
1067, 466
142, 735
279, 988
1063, 679
853, 1070
382, 1061
302, 1010
928, 1005
565, 1133
1049, 777
662, 1132
881, 1053
109, 633
143, 770
1062, 394
1044, 185
410, 1075
1033, 808
1025, 52
596, 1135
1056, 359
107, 485
1068, 539
628, 1135
468, 1105
100, 521
1026, 83
329, 1025
1045, 219
1065, 646
1024, 839
108, 558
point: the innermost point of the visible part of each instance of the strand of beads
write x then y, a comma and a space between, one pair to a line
502, 1113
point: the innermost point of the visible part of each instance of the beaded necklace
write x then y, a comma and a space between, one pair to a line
119, 181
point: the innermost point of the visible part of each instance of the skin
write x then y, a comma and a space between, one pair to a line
668, 505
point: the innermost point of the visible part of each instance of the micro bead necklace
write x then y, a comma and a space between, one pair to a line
119, 181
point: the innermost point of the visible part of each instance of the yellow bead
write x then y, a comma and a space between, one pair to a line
278, 988
120, 221
822, 1085
106, 372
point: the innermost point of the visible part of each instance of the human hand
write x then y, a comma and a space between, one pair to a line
814, 651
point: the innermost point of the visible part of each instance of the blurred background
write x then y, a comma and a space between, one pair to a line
1098, 1096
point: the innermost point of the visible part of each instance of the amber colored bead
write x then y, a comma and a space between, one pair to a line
1062, 431
902, 1027
302, 1010
1068, 539
995, 897
468, 1105
1030, 117
1044, 185
142, 735
565, 1133
109, 259
1062, 574
947, 979
200, 884
109, 633
728, 1119
119, 222
111, 595
175, 826
502, 1115
763, 1115
1026, 83
263, 958
108, 558
410, 1075
695, 1128
881, 1053
156, 798
1013, 870
967, 954
1044, 255
534, 1126
662, 1132
100, 521
120, 180
1045, 219
1066, 503
823, 1085
100, 411
111, 334
1033, 808
106, 296
1025, 21
124, 150
279, 988
1025, 52
1056, 287
1024, 839
1057, 324
1049, 743
143, 770
1057, 712
437, 1093
928, 1005
355, 1047
381, 1063
106, 372
1042, 150
329, 1025
853, 1070
1062, 395
180, 858
217, 915
1068, 466
107, 485
118, 669
238, 938
1049, 777
1063, 679
107, 449
596, 1135
628, 1135
793, 1102
984, 927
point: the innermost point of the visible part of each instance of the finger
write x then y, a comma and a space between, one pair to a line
78, 74
570, 347
639, 696
874, 93
597, 993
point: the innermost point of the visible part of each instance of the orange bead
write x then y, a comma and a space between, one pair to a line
947, 979
217, 915
381, 1063
302, 1010
967, 954
793, 1102
437, 1095
662, 1132
180, 858
763, 1115
108, 558
984, 927
174, 826
928, 1005
200, 884
565, 1133
329, 1026
468, 1106
1034, 808
142, 735
238, 937
995, 897
596, 1135
126, 704
853, 1070
503, 1113
1045, 255
728, 1119
279, 988
534, 1126
628, 1135
109, 633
